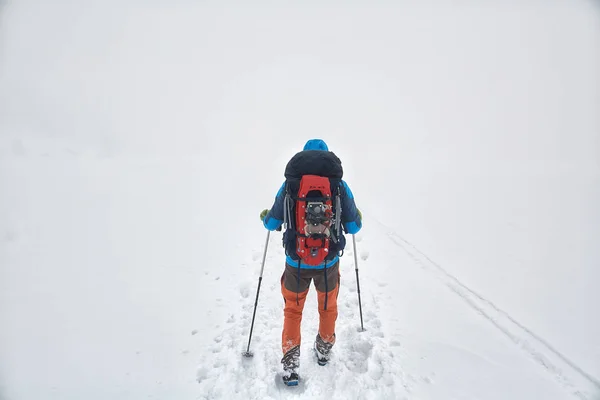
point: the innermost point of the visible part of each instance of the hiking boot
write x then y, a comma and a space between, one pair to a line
323, 350
291, 362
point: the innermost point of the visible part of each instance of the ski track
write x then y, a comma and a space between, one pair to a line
364, 365
532, 344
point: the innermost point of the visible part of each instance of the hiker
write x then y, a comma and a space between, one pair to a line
314, 204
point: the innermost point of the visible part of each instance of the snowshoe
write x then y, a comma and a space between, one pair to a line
290, 379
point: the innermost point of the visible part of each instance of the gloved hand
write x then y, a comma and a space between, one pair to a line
263, 214
359, 214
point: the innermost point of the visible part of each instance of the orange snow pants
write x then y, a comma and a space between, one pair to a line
294, 287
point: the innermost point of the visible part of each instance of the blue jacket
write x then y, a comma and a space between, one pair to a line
351, 221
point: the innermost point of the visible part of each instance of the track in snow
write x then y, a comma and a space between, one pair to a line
564, 370
371, 364
362, 365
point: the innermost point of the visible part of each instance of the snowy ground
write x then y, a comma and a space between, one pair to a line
427, 337
138, 143
118, 295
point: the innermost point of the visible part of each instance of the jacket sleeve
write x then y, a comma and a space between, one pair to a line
351, 220
274, 218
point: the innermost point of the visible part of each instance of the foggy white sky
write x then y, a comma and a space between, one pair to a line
449, 82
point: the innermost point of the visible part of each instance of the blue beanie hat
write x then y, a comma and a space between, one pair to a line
316, 144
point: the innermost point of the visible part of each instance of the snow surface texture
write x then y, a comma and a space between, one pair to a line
139, 142
390, 359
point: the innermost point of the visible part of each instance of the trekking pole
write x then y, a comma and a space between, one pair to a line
362, 328
248, 353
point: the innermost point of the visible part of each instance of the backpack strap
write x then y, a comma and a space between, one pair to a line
338, 214
287, 210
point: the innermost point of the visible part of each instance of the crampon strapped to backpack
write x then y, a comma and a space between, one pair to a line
313, 208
